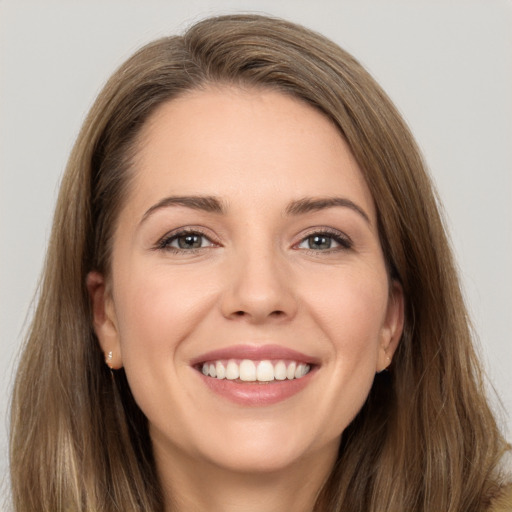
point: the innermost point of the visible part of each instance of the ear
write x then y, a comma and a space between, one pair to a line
104, 319
393, 326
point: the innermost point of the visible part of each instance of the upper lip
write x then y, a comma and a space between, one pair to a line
255, 353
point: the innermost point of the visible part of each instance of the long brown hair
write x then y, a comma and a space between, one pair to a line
425, 439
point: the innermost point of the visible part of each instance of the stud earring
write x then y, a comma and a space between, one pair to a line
385, 369
108, 359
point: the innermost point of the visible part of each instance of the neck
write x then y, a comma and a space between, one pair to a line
204, 487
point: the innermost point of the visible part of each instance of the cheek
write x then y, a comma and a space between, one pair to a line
156, 310
351, 309
351, 317
157, 313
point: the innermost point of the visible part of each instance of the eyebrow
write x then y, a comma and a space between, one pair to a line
212, 204
312, 204
204, 203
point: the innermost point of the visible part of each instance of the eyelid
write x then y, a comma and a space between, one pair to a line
340, 237
163, 242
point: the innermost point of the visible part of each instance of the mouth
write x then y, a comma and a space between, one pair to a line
256, 375
248, 370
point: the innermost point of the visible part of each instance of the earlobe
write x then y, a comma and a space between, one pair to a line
393, 326
104, 319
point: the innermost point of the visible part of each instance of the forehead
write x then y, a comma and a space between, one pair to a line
237, 143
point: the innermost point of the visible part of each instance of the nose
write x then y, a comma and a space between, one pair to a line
259, 289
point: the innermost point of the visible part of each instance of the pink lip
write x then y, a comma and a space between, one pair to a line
256, 393
256, 353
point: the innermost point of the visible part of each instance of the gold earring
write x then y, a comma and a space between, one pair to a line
108, 360
385, 369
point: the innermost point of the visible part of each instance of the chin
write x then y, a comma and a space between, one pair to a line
265, 448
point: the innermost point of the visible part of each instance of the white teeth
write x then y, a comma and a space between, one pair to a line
280, 371
251, 371
290, 372
247, 370
265, 371
220, 370
300, 371
232, 371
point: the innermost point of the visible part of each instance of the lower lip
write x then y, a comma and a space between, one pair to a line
257, 393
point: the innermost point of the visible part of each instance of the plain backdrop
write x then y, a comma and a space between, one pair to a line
446, 64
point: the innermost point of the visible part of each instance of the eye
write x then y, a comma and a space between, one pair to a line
325, 241
185, 241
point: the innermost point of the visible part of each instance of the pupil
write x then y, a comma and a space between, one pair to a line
189, 242
319, 242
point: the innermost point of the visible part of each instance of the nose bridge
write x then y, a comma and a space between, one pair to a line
258, 283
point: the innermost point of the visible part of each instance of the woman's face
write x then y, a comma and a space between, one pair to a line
247, 249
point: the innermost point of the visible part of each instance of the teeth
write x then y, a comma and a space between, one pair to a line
232, 371
220, 370
251, 371
280, 371
265, 371
300, 371
247, 370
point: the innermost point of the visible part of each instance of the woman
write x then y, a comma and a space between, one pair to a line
249, 302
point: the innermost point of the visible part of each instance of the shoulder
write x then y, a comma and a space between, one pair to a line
503, 501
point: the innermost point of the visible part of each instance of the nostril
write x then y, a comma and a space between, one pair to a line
276, 313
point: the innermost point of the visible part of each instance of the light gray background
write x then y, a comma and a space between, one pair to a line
446, 64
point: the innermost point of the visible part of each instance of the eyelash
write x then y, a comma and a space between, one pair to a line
164, 244
345, 243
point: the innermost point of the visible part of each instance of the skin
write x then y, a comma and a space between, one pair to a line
255, 280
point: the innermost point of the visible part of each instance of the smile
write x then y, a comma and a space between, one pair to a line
247, 370
256, 375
